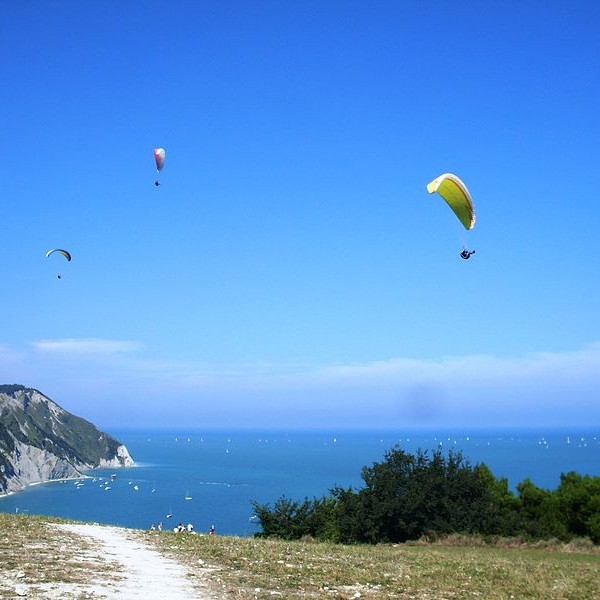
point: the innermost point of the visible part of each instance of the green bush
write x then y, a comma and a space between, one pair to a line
410, 496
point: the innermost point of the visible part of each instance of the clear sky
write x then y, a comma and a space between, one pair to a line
292, 270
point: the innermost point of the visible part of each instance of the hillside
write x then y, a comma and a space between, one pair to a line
41, 559
40, 441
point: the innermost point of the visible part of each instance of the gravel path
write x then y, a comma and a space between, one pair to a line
143, 572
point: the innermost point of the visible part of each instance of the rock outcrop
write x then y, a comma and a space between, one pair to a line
40, 441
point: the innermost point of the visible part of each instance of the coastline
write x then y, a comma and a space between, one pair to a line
59, 479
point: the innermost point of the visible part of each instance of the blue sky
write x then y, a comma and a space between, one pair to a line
292, 270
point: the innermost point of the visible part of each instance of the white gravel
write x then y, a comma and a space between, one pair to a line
145, 572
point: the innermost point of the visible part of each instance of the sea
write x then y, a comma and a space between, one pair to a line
212, 478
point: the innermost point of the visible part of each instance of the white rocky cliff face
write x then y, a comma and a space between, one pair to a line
122, 459
32, 465
40, 441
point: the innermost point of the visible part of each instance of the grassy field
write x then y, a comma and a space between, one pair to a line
32, 550
458, 568
38, 560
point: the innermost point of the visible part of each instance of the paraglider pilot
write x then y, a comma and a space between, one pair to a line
466, 254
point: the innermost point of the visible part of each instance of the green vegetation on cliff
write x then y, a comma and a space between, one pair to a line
36, 420
30, 420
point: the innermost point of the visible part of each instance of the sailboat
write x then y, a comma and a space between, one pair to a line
187, 496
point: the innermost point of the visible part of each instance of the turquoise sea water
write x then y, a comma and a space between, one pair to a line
222, 472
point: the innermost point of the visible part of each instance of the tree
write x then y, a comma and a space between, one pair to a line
292, 520
540, 512
578, 498
501, 515
407, 496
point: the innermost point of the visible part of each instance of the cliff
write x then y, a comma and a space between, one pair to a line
40, 441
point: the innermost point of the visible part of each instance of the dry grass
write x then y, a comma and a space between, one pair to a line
249, 568
39, 560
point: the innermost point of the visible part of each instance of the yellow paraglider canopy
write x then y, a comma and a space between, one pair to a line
456, 194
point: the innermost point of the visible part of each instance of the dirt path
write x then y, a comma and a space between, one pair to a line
141, 572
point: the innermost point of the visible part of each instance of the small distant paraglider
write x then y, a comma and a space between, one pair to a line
456, 194
159, 159
62, 252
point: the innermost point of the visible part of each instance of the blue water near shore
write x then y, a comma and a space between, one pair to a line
221, 473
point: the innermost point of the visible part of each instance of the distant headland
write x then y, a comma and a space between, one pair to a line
40, 441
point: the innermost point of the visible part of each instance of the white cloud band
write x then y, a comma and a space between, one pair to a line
85, 346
